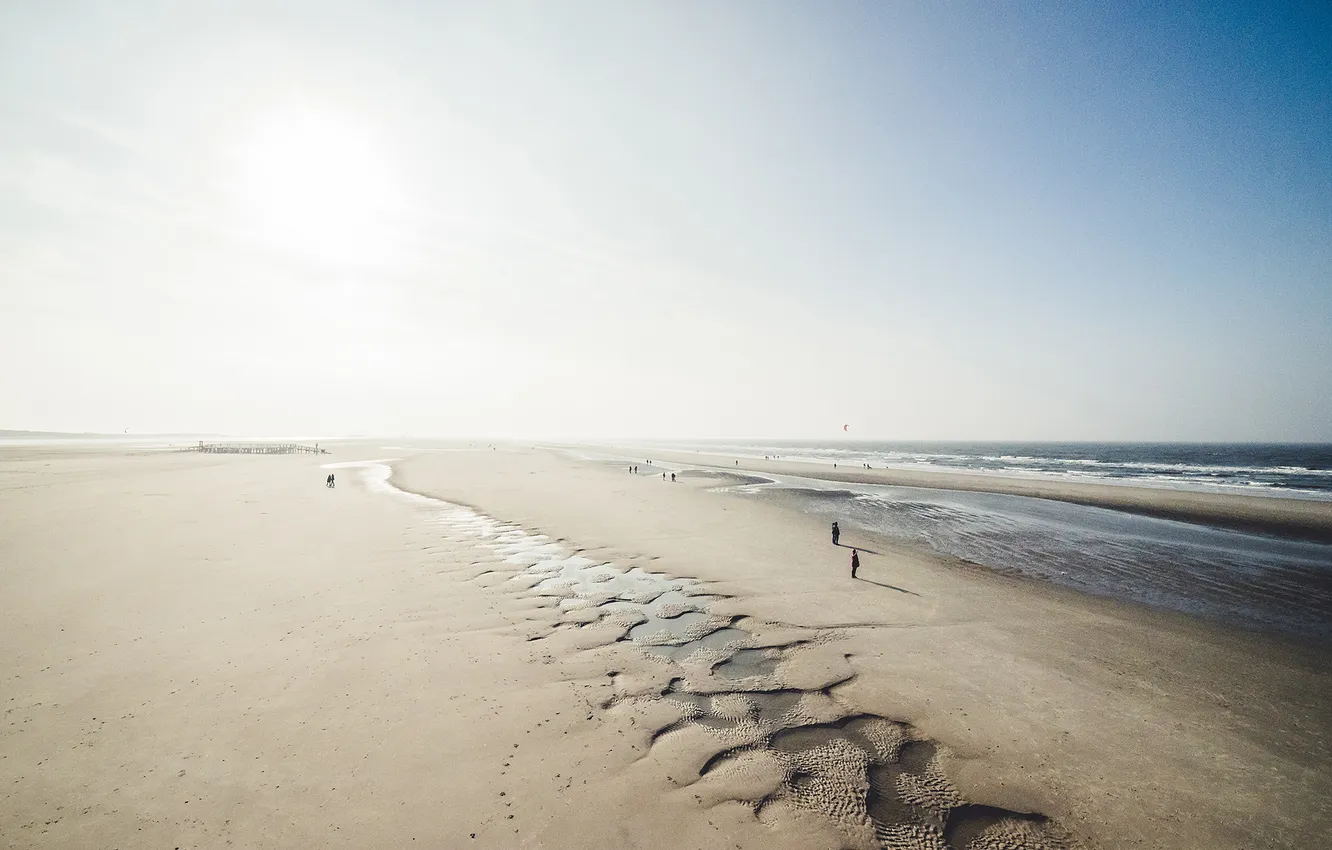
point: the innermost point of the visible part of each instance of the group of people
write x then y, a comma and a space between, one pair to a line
855, 555
634, 469
330, 481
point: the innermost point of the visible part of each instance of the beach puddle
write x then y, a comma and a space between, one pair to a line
663, 631
718, 642
747, 663
579, 577
673, 603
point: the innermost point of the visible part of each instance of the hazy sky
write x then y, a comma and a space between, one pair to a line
927, 220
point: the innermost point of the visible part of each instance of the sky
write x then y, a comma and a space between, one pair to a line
967, 220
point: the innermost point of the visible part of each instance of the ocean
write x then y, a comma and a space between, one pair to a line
1249, 580
1293, 470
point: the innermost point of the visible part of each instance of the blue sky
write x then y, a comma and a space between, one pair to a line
668, 219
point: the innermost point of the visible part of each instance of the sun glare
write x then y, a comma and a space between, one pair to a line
319, 185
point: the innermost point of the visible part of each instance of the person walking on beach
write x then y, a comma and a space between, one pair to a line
855, 562
837, 533
672, 477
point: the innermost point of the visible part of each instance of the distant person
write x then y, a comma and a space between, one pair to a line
855, 562
663, 476
837, 533
672, 477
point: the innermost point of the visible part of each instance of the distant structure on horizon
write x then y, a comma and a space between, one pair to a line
258, 448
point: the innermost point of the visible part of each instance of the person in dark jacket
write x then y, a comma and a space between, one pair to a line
855, 562
837, 533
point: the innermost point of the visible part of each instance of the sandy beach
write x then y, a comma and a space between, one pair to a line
212, 650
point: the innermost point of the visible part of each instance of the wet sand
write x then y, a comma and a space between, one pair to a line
1122, 725
1306, 519
203, 649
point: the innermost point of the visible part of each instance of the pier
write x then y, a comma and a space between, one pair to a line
259, 449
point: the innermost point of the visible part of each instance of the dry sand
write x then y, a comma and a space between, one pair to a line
210, 650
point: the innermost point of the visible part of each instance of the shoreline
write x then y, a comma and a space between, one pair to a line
1120, 721
1301, 519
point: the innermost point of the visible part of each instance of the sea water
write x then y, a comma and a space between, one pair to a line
1298, 470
